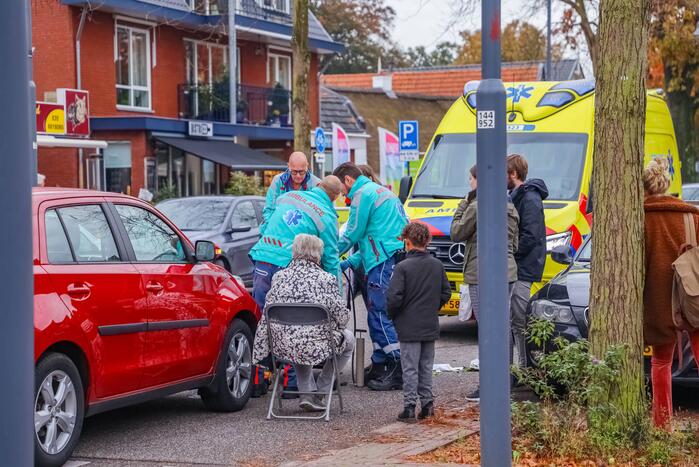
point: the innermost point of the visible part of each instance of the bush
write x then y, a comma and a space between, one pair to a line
574, 418
241, 184
165, 192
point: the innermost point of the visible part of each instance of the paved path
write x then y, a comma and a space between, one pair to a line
177, 431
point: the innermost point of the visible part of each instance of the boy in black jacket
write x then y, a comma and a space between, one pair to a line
418, 289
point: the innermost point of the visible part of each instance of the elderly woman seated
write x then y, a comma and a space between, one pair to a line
304, 281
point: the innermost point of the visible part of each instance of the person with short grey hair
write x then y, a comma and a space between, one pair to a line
304, 281
308, 247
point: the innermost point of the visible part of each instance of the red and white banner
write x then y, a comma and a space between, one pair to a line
341, 147
391, 167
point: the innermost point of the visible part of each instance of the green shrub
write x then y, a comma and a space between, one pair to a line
241, 184
165, 192
574, 418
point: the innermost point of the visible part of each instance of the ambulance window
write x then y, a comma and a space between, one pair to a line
557, 158
445, 172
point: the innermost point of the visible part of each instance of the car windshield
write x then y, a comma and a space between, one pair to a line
557, 158
585, 254
196, 214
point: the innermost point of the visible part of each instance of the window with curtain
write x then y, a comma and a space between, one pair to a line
132, 61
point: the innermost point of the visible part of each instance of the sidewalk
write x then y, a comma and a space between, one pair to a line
396, 443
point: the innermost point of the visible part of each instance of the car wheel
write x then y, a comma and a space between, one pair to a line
232, 385
59, 408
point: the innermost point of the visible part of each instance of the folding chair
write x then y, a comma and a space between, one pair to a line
301, 314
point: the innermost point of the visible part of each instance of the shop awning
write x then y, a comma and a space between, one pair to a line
226, 153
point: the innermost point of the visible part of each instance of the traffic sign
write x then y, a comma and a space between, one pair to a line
320, 139
408, 134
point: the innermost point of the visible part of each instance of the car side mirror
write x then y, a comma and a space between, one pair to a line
404, 190
240, 228
204, 251
561, 255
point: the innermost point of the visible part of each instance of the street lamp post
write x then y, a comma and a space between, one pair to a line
16, 286
232, 63
494, 323
548, 40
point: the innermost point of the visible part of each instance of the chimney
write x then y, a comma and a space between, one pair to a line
385, 83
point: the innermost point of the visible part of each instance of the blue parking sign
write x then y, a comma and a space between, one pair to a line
408, 131
320, 139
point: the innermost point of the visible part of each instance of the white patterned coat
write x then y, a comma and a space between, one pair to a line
302, 282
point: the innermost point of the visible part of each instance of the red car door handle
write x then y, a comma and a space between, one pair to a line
154, 287
81, 290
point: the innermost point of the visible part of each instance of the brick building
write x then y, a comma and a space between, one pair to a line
153, 66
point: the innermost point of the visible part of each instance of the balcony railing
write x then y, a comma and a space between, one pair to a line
255, 105
277, 11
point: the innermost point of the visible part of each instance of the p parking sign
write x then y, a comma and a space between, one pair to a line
408, 135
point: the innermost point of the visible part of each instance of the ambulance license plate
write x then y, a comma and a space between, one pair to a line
451, 305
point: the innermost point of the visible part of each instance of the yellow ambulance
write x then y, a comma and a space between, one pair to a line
552, 125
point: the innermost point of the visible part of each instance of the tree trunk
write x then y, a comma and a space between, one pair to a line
301, 67
682, 109
617, 270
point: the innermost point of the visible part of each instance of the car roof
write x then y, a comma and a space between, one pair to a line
690, 185
46, 193
213, 198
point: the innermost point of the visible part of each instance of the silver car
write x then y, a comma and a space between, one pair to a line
231, 222
690, 193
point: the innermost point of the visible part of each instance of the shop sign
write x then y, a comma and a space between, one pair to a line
77, 111
50, 118
201, 129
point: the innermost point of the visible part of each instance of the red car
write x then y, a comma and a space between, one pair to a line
126, 310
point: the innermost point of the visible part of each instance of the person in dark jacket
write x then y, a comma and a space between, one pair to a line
417, 291
527, 196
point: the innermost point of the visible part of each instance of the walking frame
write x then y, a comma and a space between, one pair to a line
301, 314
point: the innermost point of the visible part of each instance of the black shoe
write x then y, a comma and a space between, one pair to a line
390, 381
375, 371
474, 396
426, 411
286, 395
407, 415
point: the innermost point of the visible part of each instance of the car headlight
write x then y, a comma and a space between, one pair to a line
556, 240
545, 309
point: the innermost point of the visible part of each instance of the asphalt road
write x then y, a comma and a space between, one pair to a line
178, 430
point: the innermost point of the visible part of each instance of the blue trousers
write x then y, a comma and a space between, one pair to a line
261, 283
381, 330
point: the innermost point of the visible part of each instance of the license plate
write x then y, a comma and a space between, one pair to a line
648, 351
451, 305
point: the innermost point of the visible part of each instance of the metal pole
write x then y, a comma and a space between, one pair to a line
32, 98
548, 40
16, 286
232, 63
494, 324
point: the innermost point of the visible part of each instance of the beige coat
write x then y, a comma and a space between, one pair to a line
463, 229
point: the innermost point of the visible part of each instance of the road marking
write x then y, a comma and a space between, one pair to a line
75, 463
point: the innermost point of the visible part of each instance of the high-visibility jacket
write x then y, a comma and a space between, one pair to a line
281, 184
376, 221
299, 212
